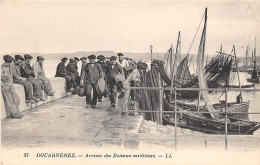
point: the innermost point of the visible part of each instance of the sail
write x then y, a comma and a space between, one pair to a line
183, 72
202, 83
168, 62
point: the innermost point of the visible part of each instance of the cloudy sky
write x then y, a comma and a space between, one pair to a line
67, 27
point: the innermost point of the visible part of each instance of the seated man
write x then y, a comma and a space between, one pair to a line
26, 72
18, 79
74, 74
11, 98
39, 74
61, 72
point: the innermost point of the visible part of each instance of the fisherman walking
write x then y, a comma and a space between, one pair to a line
11, 98
26, 72
113, 69
123, 63
39, 74
61, 72
18, 79
90, 76
84, 63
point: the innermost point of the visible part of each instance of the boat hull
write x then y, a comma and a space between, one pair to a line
234, 126
236, 110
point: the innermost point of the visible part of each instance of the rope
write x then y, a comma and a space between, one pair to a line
196, 33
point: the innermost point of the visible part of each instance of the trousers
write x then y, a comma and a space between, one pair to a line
11, 99
112, 91
46, 84
37, 87
28, 88
88, 89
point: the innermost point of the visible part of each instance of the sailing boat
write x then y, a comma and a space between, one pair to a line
254, 76
245, 67
212, 123
216, 74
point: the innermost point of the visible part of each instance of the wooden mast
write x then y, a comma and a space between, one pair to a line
174, 64
237, 72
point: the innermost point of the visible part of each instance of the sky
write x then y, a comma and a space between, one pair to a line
67, 27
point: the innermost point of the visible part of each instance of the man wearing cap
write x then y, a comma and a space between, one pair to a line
123, 63
103, 64
76, 67
11, 98
18, 79
84, 63
90, 76
27, 72
76, 62
113, 69
72, 71
39, 74
61, 72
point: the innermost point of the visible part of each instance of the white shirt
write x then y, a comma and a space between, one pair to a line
124, 63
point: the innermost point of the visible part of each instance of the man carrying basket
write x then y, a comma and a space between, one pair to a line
90, 75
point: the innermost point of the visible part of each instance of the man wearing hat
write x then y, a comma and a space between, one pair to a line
123, 63
27, 72
90, 76
76, 62
11, 98
18, 79
74, 74
61, 72
84, 63
39, 74
103, 64
113, 69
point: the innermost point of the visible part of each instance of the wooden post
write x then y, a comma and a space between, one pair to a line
198, 102
226, 119
175, 117
161, 100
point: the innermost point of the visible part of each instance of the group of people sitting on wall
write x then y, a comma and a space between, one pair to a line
18, 70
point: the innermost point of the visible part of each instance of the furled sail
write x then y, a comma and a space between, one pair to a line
202, 83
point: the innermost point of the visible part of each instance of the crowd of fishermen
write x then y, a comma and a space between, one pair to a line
108, 73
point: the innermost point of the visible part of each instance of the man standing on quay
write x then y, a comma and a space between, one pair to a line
113, 69
11, 98
90, 76
84, 63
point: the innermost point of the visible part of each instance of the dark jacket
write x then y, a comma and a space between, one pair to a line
71, 68
16, 71
91, 75
103, 66
111, 73
26, 69
82, 68
61, 70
